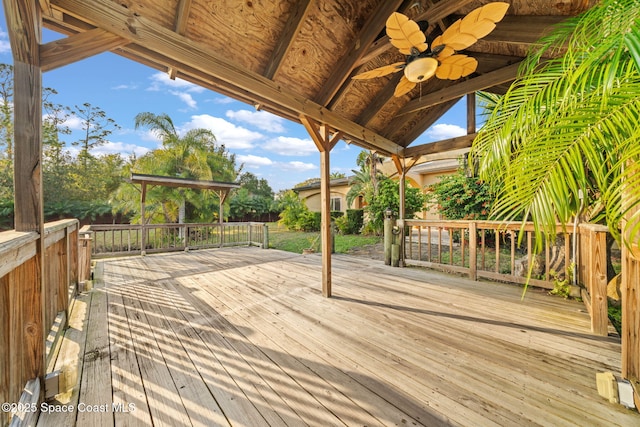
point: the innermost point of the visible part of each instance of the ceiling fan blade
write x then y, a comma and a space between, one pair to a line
381, 71
466, 31
456, 66
403, 87
405, 34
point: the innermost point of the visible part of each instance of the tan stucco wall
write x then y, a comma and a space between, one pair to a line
311, 197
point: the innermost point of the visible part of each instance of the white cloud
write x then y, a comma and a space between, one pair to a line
254, 161
297, 166
289, 146
186, 98
445, 131
161, 81
227, 134
5, 46
260, 119
119, 148
125, 87
73, 123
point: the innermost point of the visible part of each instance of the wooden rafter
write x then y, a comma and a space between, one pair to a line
182, 16
74, 48
137, 29
456, 143
292, 27
475, 84
412, 125
356, 50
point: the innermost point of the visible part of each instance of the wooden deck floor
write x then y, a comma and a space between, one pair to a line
243, 337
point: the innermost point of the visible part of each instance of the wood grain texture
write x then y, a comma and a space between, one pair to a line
392, 347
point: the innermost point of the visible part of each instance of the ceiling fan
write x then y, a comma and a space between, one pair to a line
423, 61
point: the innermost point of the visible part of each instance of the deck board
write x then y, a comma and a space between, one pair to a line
243, 337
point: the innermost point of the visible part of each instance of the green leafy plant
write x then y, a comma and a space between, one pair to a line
562, 282
458, 196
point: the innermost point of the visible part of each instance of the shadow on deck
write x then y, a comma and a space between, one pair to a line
243, 337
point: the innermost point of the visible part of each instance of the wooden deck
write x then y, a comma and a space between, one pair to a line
243, 337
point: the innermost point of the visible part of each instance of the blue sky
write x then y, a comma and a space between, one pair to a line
270, 147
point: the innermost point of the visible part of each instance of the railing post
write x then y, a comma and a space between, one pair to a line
265, 236
473, 253
250, 226
84, 258
389, 223
598, 276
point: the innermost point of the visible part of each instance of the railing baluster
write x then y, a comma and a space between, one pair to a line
497, 266
513, 252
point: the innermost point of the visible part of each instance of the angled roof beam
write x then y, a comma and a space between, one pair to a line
182, 14
291, 28
456, 143
79, 46
137, 29
357, 48
484, 81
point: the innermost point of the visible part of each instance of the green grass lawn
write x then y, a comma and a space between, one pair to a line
296, 241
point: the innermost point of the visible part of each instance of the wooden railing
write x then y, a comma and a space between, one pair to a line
37, 282
491, 250
119, 239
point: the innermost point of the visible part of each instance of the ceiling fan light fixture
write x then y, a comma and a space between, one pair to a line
420, 69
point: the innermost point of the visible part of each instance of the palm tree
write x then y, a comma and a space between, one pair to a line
180, 156
563, 140
365, 180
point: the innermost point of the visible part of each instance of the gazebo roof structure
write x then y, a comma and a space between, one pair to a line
295, 59
171, 181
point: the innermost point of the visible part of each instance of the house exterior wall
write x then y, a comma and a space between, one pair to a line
422, 176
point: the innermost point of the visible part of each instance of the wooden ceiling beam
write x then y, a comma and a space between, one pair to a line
379, 101
80, 46
456, 143
356, 49
182, 16
475, 84
423, 121
291, 28
522, 30
135, 28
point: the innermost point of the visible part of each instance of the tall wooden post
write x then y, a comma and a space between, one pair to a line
143, 231
630, 293
471, 113
325, 141
23, 25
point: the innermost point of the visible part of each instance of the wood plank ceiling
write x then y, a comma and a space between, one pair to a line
296, 58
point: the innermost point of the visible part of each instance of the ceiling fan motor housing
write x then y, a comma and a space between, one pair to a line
420, 69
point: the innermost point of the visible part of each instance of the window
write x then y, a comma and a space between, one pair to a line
336, 204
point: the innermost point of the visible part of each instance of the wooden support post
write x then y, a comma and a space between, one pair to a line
143, 234
28, 337
630, 293
473, 250
325, 141
598, 286
265, 236
471, 113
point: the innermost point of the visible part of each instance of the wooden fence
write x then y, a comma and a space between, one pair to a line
35, 295
491, 250
122, 239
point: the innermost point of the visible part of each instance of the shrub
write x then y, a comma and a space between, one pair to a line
308, 221
461, 197
354, 220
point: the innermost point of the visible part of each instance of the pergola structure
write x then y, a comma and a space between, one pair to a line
293, 58
221, 189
